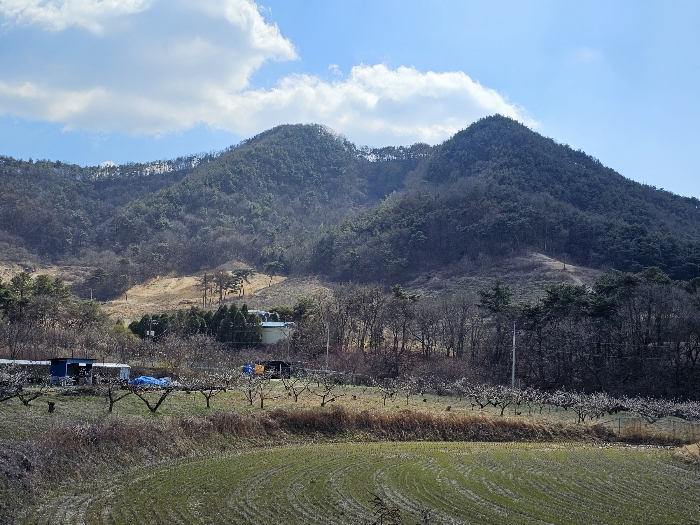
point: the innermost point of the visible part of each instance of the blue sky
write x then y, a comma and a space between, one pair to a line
88, 81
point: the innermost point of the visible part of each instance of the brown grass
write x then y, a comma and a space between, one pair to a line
528, 274
410, 425
641, 436
168, 293
18, 474
61, 444
78, 450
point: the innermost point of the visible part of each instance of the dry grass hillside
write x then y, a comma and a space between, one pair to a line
163, 294
167, 293
527, 276
69, 274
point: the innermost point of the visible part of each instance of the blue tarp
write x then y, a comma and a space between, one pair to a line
150, 381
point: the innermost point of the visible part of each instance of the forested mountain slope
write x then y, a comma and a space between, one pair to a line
52, 208
300, 199
497, 188
263, 202
509, 154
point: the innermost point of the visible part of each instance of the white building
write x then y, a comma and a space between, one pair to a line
273, 331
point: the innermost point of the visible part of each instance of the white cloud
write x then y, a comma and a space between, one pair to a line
335, 70
373, 105
57, 15
180, 63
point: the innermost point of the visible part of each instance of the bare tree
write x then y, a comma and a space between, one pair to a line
12, 380
153, 396
16, 336
326, 387
250, 386
113, 390
27, 396
296, 386
388, 388
210, 385
267, 390
427, 328
206, 284
410, 386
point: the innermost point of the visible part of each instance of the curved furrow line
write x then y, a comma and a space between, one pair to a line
246, 501
560, 492
428, 485
608, 490
320, 497
498, 490
333, 484
342, 479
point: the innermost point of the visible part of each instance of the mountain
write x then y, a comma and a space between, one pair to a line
496, 189
51, 209
301, 199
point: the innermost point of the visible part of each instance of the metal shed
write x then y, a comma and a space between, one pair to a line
108, 368
67, 370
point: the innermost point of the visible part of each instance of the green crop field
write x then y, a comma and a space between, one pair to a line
336, 483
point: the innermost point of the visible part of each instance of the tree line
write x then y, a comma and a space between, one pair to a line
628, 334
237, 327
327, 388
40, 318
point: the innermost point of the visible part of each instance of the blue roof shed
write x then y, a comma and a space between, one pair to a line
78, 370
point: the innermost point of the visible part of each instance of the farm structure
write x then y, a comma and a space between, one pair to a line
273, 331
65, 371
275, 369
112, 369
278, 369
36, 370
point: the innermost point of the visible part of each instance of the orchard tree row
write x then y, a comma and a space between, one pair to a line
326, 388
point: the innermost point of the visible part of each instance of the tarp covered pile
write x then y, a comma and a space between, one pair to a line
150, 381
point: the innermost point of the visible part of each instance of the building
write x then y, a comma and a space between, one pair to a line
60, 369
111, 369
68, 370
273, 331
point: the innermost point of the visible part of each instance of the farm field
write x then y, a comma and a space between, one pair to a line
28, 422
518, 483
300, 462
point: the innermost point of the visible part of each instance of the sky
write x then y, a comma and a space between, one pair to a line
92, 81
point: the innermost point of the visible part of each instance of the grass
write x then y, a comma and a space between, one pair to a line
20, 422
77, 453
475, 483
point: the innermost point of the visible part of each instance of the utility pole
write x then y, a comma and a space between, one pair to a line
512, 375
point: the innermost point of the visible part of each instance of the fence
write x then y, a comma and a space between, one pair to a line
686, 431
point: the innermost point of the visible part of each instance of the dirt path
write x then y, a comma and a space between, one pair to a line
573, 273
